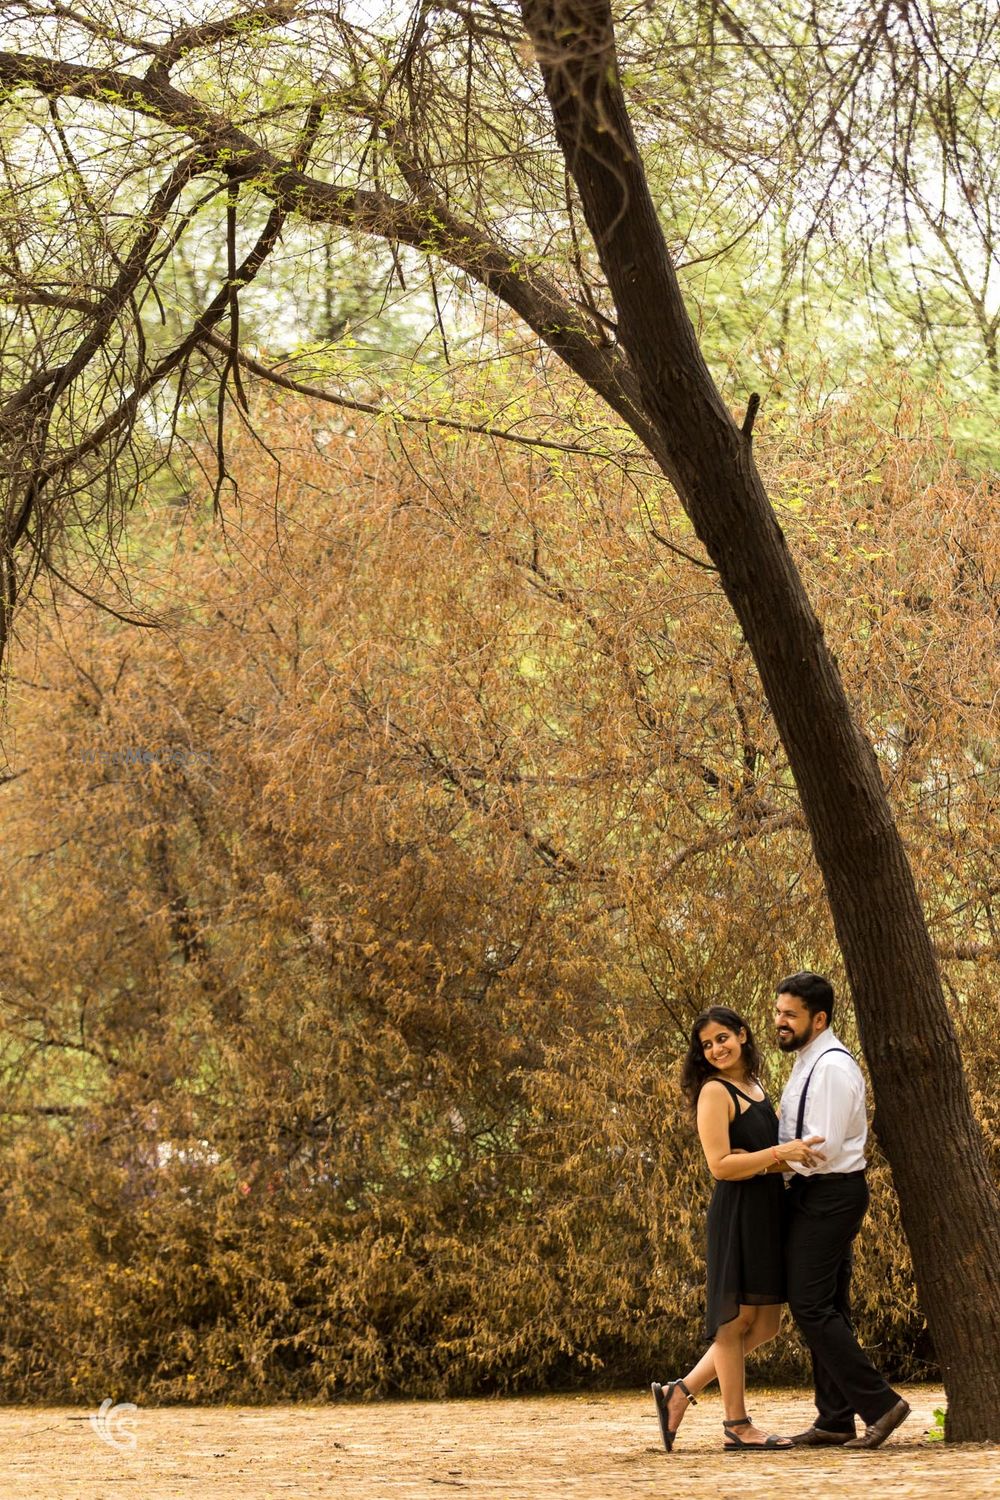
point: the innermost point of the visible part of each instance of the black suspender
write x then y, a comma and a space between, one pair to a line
801, 1119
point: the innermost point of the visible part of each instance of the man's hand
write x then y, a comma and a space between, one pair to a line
802, 1151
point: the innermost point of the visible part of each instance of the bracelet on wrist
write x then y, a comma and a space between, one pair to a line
777, 1157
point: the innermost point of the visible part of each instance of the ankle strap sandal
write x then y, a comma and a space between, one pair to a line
735, 1444
662, 1395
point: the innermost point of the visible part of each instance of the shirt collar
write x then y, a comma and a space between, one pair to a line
813, 1050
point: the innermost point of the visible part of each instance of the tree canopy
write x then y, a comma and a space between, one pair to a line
179, 192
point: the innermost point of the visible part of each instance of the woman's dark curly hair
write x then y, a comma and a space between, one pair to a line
695, 1070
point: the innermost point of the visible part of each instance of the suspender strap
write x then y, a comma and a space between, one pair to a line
801, 1118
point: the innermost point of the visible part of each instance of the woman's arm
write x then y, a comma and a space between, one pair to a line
726, 1165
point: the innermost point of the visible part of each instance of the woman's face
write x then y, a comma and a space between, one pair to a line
722, 1047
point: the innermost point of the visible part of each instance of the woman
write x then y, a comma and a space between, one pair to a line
738, 1129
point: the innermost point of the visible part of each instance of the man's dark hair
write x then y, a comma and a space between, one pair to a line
815, 992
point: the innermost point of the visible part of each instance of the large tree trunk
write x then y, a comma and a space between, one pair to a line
950, 1206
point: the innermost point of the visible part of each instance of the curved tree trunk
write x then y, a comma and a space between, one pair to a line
949, 1202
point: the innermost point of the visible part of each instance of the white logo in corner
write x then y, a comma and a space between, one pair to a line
113, 1424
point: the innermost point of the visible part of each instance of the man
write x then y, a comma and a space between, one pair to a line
825, 1096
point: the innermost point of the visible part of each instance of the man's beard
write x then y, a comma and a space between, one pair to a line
793, 1043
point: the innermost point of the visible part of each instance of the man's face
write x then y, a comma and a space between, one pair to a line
793, 1023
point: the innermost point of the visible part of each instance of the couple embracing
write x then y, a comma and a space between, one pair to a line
768, 1244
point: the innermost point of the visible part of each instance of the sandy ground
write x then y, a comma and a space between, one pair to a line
540, 1448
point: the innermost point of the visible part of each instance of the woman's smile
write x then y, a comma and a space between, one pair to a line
721, 1049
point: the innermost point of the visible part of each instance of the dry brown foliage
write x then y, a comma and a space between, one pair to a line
340, 1032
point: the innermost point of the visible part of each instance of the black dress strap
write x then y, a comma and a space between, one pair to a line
801, 1118
735, 1094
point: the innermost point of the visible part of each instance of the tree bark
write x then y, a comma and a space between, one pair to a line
949, 1202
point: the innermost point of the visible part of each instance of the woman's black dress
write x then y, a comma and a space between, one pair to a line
746, 1262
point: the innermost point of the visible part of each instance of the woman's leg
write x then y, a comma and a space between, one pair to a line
766, 1322
704, 1372
765, 1326
730, 1363
761, 1324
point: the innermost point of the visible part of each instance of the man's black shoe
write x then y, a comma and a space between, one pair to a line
815, 1437
877, 1432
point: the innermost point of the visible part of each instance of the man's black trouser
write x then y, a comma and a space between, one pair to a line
824, 1215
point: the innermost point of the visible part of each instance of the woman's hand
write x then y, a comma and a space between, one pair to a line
802, 1151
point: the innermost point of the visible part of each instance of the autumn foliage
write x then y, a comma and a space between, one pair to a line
354, 917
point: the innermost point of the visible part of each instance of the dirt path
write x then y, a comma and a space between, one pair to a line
541, 1448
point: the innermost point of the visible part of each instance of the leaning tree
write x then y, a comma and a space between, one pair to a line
513, 146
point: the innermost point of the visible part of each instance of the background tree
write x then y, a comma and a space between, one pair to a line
378, 966
397, 163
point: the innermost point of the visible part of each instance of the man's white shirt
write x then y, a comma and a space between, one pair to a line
835, 1106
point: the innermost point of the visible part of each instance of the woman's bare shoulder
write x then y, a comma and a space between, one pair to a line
716, 1100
